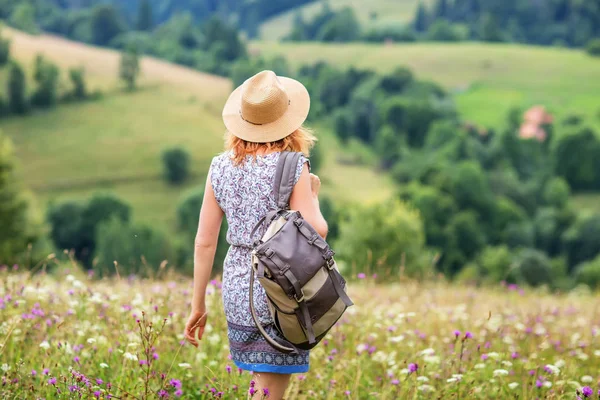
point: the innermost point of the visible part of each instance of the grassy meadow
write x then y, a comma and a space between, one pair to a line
487, 79
66, 334
114, 144
369, 13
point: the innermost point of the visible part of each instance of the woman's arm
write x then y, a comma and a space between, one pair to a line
205, 247
305, 199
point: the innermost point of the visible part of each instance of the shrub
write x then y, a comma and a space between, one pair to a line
77, 77
443, 31
176, 165
531, 267
383, 237
46, 78
138, 249
4, 51
17, 90
581, 240
593, 47
494, 263
556, 193
588, 273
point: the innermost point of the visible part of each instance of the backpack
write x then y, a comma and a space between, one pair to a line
306, 294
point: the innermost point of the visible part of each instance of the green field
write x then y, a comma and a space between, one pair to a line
487, 78
114, 144
369, 13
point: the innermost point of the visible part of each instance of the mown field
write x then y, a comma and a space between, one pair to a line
369, 13
487, 79
65, 334
114, 144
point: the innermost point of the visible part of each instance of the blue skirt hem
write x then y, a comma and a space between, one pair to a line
276, 369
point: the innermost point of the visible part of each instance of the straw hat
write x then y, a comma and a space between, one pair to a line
266, 108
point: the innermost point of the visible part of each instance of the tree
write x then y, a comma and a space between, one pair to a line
383, 237
138, 249
23, 17
581, 240
421, 22
494, 263
14, 235
593, 47
176, 165
443, 31
441, 9
46, 78
17, 97
4, 51
343, 27
145, 18
77, 76
397, 81
106, 24
465, 240
556, 192
130, 68
490, 31
588, 273
583, 171
531, 267
73, 225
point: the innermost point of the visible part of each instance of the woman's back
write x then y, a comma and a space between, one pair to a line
245, 192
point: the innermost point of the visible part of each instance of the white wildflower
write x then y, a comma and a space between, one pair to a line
423, 379
70, 278
77, 284
493, 355
431, 359
547, 384
553, 369
214, 339
500, 372
133, 344
451, 380
184, 365
427, 352
379, 356
396, 339
507, 364
45, 345
479, 366
91, 340
361, 347
587, 379
5, 367
130, 356
560, 363
597, 353
513, 385
103, 365
426, 388
582, 356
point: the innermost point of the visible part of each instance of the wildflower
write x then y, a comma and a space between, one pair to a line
586, 379
513, 385
361, 275
395, 382
33, 372
179, 392
52, 381
45, 345
457, 333
539, 383
99, 381
5, 367
97, 394
552, 369
103, 365
468, 335
251, 391
176, 383
347, 393
184, 365
587, 391
46, 371
163, 394
130, 356
76, 359
155, 356
500, 372
252, 383
413, 367
266, 392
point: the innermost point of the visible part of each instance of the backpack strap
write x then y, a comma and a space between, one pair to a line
284, 178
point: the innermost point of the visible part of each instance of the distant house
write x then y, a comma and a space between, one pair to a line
534, 120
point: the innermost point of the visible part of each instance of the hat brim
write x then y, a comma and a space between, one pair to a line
289, 122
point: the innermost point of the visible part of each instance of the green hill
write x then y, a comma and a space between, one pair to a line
115, 143
487, 78
369, 13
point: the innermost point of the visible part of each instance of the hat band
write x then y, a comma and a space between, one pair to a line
257, 124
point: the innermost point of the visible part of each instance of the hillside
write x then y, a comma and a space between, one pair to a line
369, 13
487, 79
115, 143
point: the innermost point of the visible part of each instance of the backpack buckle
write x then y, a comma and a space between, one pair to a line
269, 253
301, 297
330, 263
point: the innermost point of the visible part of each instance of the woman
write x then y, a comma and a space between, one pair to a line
264, 116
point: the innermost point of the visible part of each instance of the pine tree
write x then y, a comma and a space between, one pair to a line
13, 208
130, 67
421, 18
441, 9
17, 97
145, 20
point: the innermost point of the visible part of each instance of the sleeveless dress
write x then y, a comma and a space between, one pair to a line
245, 194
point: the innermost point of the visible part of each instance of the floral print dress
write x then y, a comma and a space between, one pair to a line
245, 194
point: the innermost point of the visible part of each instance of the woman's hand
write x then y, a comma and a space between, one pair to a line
196, 323
315, 184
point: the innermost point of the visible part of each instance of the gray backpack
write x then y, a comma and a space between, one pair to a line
306, 294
